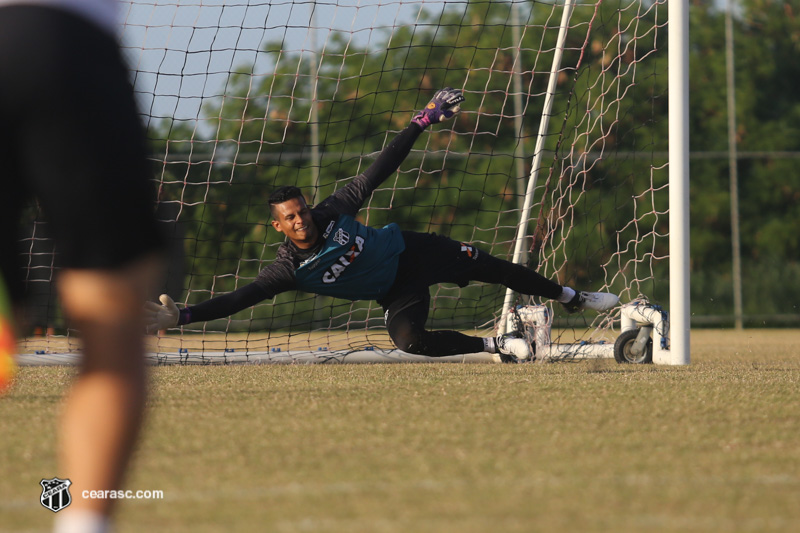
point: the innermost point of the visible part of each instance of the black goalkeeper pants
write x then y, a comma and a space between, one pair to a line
430, 259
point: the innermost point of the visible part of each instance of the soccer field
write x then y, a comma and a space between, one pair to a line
580, 446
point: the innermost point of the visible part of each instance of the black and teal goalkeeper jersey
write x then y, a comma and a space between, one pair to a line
355, 262
351, 261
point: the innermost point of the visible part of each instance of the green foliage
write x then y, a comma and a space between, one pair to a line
766, 37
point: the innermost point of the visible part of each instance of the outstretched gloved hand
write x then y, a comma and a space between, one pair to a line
158, 317
444, 105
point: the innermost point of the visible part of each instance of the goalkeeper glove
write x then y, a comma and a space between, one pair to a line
444, 105
158, 317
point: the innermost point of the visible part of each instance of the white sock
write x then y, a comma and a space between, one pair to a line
489, 345
567, 294
79, 521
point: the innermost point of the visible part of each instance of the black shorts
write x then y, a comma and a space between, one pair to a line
71, 138
430, 259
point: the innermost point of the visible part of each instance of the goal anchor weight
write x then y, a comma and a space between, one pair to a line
650, 323
643, 335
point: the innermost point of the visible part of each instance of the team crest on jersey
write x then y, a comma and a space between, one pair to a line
341, 237
336, 270
55, 494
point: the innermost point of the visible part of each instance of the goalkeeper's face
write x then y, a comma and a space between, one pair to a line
293, 217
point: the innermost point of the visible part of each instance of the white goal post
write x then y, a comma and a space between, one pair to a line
679, 181
565, 158
678, 351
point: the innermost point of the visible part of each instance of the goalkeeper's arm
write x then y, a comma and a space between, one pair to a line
444, 105
276, 278
167, 315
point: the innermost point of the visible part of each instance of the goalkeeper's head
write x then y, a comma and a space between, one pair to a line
292, 216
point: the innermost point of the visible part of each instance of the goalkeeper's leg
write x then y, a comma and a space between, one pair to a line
526, 281
405, 321
431, 259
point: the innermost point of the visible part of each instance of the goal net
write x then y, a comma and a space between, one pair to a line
241, 97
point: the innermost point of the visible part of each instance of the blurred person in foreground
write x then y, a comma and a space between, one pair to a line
72, 139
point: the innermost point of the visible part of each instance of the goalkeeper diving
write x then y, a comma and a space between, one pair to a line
328, 252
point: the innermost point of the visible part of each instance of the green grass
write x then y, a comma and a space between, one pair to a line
582, 446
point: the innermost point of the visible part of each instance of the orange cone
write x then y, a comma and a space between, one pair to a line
8, 343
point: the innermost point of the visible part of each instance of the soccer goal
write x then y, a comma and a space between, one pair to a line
560, 160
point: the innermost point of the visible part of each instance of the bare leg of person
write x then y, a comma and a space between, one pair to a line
103, 412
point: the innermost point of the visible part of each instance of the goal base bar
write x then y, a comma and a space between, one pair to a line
382, 356
261, 357
534, 321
